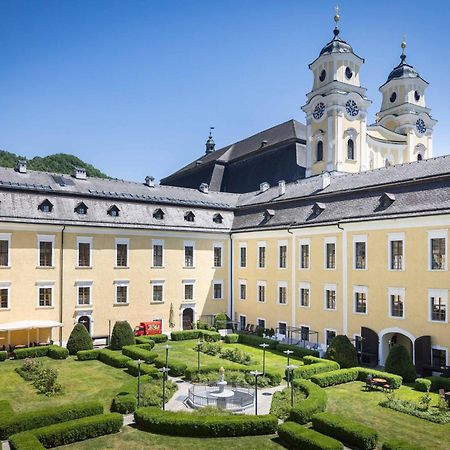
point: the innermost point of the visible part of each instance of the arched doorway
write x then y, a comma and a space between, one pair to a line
392, 336
188, 318
86, 321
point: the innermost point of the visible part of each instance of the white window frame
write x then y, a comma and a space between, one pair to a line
439, 347
282, 284
84, 240
329, 240
83, 284
283, 244
300, 332
118, 283
396, 291
300, 243
261, 244
45, 238
325, 335
218, 245
243, 245
278, 326
45, 285
154, 283
243, 283
261, 283
123, 241
395, 237
245, 316
438, 234
360, 238
6, 285
188, 282
189, 244
221, 290
161, 243
438, 293
329, 287
361, 290
7, 237
304, 285
261, 318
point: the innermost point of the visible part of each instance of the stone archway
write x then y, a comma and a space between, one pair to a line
188, 318
391, 336
86, 321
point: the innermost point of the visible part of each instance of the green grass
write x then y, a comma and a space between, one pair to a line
82, 381
351, 400
281, 402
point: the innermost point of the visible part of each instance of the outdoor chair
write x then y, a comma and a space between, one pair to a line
369, 383
388, 387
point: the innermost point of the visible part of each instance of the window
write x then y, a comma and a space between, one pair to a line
84, 251
5, 240
158, 214
121, 292
188, 290
419, 157
358, 343
282, 255
188, 254
81, 208
330, 296
243, 255
438, 305
396, 302
360, 298
242, 290
304, 295
218, 290
46, 206
189, 216
261, 323
330, 253
360, 252
261, 288
157, 291
217, 218
438, 357
350, 149
304, 333
158, 253
84, 295
45, 296
113, 211
46, 244
261, 255
282, 293
438, 249
396, 249
282, 328
319, 151
4, 295
217, 255
304, 254
122, 252
242, 322
329, 336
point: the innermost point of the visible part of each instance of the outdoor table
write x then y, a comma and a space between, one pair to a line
379, 381
20, 346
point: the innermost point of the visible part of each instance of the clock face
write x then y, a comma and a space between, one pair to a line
352, 108
420, 125
322, 75
318, 111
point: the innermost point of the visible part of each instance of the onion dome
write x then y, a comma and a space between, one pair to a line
403, 70
336, 45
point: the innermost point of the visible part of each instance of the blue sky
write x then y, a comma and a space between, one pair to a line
133, 86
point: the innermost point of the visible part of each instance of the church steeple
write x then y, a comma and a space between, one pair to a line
210, 144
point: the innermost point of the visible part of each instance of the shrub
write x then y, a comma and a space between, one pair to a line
86, 355
397, 444
145, 340
25, 441
184, 335
57, 352
124, 403
439, 383
113, 358
139, 352
209, 336
146, 369
394, 380
300, 352
307, 371
254, 341
422, 384
158, 338
46, 382
199, 425
294, 435
236, 355
351, 433
42, 418
122, 334
399, 362
3, 355
220, 321
232, 338
32, 352
210, 348
342, 351
315, 402
335, 377
177, 369
79, 339
30, 369
151, 393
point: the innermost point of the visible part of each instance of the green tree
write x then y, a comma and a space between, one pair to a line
399, 361
79, 339
220, 321
342, 351
122, 334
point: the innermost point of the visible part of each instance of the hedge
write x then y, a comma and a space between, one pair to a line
293, 435
124, 403
177, 369
67, 432
300, 352
422, 384
79, 339
87, 355
232, 338
145, 340
31, 352
342, 351
122, 334
112, 358
315, 402
351, 433
41, 418
439, 383
335, 377
146, 369
57, 352
3, 355
394, 380
184, 335
400, 362
139, 352
310, 369
191, 424
158, 338
397, 444
254, 341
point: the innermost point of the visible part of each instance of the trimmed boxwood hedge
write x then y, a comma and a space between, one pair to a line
313, 368
394, 380
145, 340
53, 351
87, 355
158, 338
41, 418
293, 435
315, 402
79, 339
300, 352
3, 355
57, 352
140, 351
124, 403
177, 369
397, 444
254, 341
190, 424
146, 369
439, 383
351, 433
232, 338
335, 377
113, 358
185, 335
67, 432
422, 384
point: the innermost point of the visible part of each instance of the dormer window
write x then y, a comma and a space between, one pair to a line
318, 208
387, 199
81, 208
189, 216
268, 214
113, 211
46, 206
158, 214
217, 218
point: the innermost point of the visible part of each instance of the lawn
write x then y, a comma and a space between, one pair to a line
353, 401
82, 381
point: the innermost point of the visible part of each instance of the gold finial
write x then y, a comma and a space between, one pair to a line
222, 370
403, 44
336, 16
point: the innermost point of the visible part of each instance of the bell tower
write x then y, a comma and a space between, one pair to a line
336, 110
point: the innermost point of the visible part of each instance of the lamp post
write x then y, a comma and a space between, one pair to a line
256, 374
139, 362
199, 347
288, 353
290, 368
167, 355
264, 346
165, 371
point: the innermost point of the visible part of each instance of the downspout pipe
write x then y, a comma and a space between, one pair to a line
61, 286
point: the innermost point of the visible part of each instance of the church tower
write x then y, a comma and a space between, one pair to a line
336, 110
403, 110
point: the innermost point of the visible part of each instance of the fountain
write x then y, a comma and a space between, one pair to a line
222, 394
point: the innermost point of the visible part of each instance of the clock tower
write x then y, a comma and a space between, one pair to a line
336, 110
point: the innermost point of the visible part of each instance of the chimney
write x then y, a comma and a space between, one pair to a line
22, 166
79, 173
281, 187
263, 143
204, 188
264, 186
326, 180
150, 181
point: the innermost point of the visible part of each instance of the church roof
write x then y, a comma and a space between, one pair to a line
336, 45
